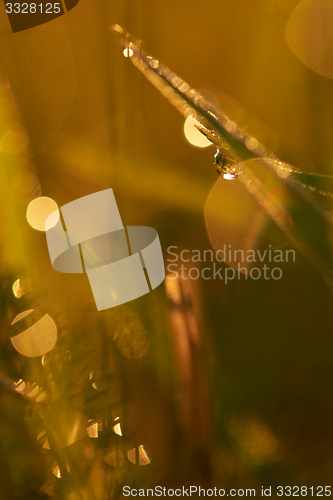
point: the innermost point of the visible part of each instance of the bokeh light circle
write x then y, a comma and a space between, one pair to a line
39, 210
36, 337
128, 52
309, 35
193, 135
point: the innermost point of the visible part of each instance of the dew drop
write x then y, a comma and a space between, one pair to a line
227, 167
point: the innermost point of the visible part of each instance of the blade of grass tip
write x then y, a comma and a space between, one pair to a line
316, 188
186, 99
306, 227
189, 101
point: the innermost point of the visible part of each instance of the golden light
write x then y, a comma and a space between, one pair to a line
39, 210
56, 472
71, 426
92, 430
41, 434
33, 392
46, 445
20, 287
40, 397
128, 52
193, 135
144, 458
17, 289
117, 429
38, 339
20, 386
21, 316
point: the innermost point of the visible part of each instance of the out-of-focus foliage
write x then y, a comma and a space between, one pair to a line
199, 382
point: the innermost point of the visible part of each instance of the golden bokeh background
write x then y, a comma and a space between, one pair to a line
198, 382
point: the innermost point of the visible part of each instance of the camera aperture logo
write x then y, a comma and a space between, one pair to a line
122, 263
25, 15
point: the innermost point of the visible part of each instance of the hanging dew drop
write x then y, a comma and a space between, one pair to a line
226, 163
228, 168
